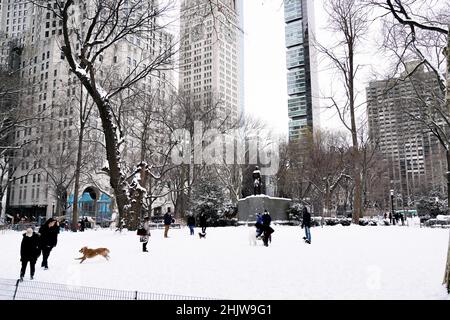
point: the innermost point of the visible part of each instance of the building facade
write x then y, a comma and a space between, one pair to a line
210, 56
415, 158
42, 176
303, 107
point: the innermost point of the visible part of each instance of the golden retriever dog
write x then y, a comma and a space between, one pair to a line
91, 253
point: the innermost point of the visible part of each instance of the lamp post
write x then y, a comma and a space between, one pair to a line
53, 208
391, 216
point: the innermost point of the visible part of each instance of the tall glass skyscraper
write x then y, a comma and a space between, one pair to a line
301, 67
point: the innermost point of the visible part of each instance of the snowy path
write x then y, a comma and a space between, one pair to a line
342, 263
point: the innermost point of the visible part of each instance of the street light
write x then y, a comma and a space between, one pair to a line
391, 216
53, 208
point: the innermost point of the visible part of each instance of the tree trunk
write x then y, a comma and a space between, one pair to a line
447, 267
447, 101
356, 175
137, 198
77, 183
78, 167
112, 155
327, 200
2, 214
105, 114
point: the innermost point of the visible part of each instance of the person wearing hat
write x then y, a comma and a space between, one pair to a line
29, 252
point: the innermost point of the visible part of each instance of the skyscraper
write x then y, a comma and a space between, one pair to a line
210, 63
301, 67
415, 158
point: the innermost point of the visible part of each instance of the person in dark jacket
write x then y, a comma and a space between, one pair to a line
49, 238
29, 252
259, 225
191, 223
203, 222
167, 222
82, 225
267, 229
306, 223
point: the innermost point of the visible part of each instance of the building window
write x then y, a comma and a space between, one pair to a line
294, 33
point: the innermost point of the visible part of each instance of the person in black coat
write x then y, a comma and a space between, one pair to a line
306, 223
203, 223
256, 181
29, 252
267, 229
49, 238
168, 220
82, 225
191, 223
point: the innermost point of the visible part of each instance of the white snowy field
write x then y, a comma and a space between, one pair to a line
341, 263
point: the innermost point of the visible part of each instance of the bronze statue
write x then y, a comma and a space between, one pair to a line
256, 181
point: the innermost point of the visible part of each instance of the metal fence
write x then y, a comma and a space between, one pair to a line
34, 290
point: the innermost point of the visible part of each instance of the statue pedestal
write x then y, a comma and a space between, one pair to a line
249, 206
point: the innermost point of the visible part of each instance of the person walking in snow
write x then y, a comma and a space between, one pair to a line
203, 222
82, 225
144, 238
306, 223
259, 225
267, 229
29, 252
49, 238
191, 223
168, 220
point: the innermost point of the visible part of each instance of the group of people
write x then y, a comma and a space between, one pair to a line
263, 229
84, 223
145, 236
202, 222
33, 244
398, 216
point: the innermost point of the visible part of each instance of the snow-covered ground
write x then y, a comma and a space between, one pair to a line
341, 263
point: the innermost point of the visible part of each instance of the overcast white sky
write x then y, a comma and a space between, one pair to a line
265, 65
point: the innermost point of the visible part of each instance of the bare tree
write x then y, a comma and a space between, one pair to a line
349, 20
292, 170
12, 120
420, 21
198, 120
85, 106
317, 169
233, 176
328, 165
